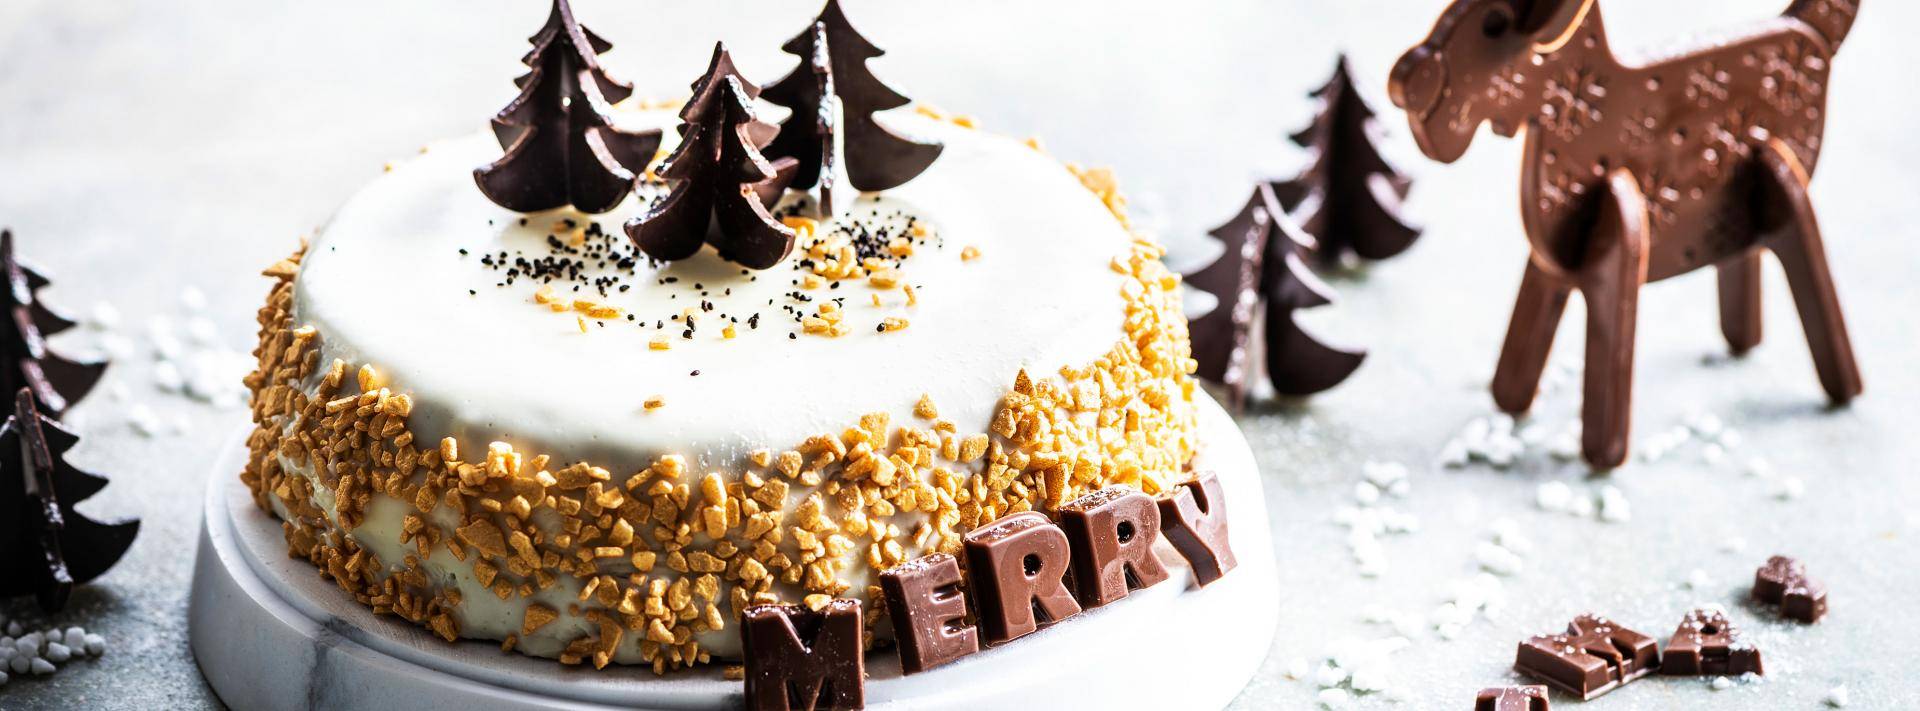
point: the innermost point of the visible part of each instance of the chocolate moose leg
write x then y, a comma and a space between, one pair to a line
1615, 269
1536, 316
1804, 257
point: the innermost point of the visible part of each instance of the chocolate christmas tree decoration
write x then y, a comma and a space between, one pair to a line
1349, 197
1707, 644
56, 382
1636, 173
1111, 532
929, 612
1194, 520
877, 159
45, 546
1593, 657
562, 147
807, 135
1018, 566
1261, 264
720, 181
799, 659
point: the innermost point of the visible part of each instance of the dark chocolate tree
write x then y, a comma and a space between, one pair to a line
1258, 282
45, 546
562, 147
57, 382
877, 159
807, 136
720, 183
1349, 197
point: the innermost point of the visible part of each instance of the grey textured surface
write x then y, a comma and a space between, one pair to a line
149, 146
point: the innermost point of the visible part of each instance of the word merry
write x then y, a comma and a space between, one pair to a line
1027, 572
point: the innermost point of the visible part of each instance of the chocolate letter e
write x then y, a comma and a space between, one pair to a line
1019, 566
801, 659
929, 612
1112, 532
1195, 521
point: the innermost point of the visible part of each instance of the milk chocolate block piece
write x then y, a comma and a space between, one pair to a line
929, 612
1592, 658
1707, 644
1112, 532
797, 658
1783, 581
1019, 569
1512, 698
1194, 519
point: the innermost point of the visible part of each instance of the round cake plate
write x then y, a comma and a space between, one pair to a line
269, 633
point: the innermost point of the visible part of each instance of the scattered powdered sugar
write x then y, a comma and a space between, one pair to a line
1721, 683
190, 360
1370, 520
1613, 505
1697, 579
103, 317
1502, 555
1837, 697
1553, 496
1334, 699
1296, 669
40, 653
1488, 439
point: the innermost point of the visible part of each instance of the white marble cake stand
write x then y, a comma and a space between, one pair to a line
270, 634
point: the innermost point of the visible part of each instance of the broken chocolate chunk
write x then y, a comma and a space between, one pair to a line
798, 658
1593, 657
1783, 581
1112, 532
1194, 520
1019, 568
1707, 644
1512, 698
929, 612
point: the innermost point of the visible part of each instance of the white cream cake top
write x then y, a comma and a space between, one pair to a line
410, 275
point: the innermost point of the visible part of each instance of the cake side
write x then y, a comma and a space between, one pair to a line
586, 554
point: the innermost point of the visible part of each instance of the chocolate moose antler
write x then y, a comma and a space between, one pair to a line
1636, 173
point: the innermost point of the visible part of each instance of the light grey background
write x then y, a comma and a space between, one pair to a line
147, 146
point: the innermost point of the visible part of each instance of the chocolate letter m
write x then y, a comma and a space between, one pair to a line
801, 659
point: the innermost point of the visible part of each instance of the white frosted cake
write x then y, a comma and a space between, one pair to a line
519, 428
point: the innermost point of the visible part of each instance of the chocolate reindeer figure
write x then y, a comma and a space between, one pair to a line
1635, 173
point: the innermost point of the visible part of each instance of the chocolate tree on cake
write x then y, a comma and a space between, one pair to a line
562, 145
1349, 197
809, 134
46, 547
56, 382
877, 158
721, 182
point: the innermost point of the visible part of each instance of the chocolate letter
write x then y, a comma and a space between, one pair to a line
801, 659
1592, 658
1707, 644
1783, 581
1512, 698
1019, 566
929, 612
1195, 521
1112, 533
